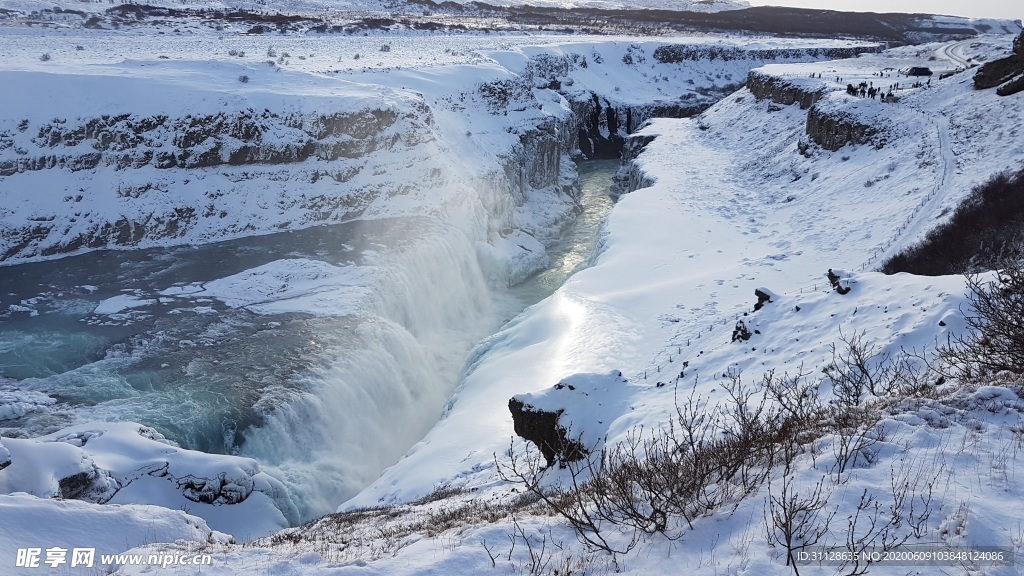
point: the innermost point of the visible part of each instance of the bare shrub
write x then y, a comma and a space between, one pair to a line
983, 231
874, 528
796, 521
856, 432
995, 320
706, 458
662, 481
913, 492
858, 369
574, 503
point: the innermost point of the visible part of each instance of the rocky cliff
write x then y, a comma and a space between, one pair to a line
1007, 72
781, 91
603, 127
833, 129
127, 179
236, 138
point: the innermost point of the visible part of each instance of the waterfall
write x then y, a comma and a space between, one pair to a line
395, 363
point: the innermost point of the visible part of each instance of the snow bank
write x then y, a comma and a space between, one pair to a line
126, 463
32, 522
295, 285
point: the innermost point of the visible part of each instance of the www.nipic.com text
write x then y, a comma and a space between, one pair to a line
86, 558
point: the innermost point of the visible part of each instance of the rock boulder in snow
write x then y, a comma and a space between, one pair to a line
764, 296
542, 428
741, 332
569, 420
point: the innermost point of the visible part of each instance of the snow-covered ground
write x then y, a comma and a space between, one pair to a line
727, 205
123, 463
730, 205
480, 190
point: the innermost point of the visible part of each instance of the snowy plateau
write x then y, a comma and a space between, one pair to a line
276, 289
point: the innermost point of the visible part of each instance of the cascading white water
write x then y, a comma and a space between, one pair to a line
359, 412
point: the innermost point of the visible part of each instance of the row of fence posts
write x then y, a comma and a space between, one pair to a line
903, 227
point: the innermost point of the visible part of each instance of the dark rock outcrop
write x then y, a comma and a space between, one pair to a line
76, 485
994, 73
603, 128
542, 428
682, 53
635, 144
764, 296
218, 490
1011, 87
635, 178
92, 485
1009, 70
741, 332
781, 91
832, 130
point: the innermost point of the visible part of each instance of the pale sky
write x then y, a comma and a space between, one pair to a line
1012, 9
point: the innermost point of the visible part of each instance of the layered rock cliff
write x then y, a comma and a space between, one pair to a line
832, 129
781, 91
131, 179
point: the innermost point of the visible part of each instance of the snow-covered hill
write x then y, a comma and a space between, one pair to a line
725, 204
